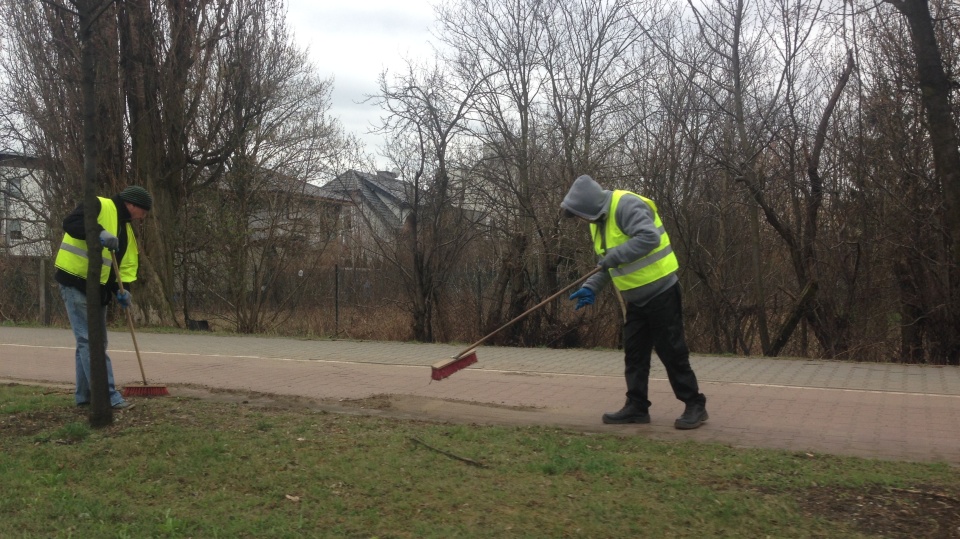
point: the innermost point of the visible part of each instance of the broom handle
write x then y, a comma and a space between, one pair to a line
530, 310
116, 270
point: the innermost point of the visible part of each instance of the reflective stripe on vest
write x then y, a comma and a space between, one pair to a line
72, 256
657, 264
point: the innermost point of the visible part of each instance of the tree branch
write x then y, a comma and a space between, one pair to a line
447, 453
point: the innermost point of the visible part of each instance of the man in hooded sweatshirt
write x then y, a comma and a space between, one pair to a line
635, 254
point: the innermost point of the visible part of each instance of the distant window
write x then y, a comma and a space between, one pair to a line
13, 229
14, 188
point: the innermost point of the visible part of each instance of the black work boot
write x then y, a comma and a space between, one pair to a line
693, 416
630, 413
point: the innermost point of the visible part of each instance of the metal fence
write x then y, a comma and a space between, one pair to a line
29, 293
327, 301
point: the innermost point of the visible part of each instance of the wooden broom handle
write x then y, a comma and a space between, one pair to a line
530, 310
116, 271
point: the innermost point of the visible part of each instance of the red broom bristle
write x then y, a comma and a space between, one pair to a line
145, 391
445, 368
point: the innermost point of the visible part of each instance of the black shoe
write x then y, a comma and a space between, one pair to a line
693, 416
82, 404
630, 413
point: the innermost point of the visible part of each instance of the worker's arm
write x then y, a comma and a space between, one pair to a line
635, 219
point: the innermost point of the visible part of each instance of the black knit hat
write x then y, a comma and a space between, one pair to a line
137, 196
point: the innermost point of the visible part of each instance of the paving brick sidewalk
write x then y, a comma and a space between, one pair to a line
903, 412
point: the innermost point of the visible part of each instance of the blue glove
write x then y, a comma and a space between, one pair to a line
109, 241
584, 297
124, 298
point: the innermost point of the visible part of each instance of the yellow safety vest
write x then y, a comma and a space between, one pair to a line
131, 258
657, 264
72, 256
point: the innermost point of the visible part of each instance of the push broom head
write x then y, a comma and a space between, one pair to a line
445, 368
139, 390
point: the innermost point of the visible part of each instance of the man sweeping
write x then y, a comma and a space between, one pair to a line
114, 216
635, 254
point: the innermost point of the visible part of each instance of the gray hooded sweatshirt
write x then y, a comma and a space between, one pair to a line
587, 200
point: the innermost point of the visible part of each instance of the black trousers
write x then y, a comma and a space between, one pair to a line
658, 325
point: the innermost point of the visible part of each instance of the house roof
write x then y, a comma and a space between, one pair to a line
277, 182
18, 160
382, 193
282, 182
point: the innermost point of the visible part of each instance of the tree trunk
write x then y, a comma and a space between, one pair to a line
759, 290
800, 309
101, 414
935, 93
149, 168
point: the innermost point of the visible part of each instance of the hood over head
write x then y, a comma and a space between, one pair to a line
586, 199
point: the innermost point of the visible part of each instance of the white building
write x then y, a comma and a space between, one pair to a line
23, 225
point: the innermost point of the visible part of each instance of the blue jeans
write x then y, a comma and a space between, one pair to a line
76, 302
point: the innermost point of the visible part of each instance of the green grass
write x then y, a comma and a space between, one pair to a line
187, 468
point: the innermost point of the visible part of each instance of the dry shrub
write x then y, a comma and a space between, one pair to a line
381, 323
384, 323
20, 294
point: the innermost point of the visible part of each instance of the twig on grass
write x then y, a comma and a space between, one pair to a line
447, 453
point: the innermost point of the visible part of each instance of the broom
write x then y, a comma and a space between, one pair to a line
144, 390
445, 368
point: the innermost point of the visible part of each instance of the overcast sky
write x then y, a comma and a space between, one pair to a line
354, 41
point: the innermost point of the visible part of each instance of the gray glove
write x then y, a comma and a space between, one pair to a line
608, 260
605, 264
109, 241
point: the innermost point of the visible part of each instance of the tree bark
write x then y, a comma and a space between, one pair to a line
101, 414
800, 309
935, 89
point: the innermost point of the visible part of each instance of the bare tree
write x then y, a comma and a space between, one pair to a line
427, 116
256, 221
42, 89
81, 25
759, 50
499, 42
547, 110
597, 64
935, 91
936, 88
89, 17
178, 120
183, 85
902, 191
